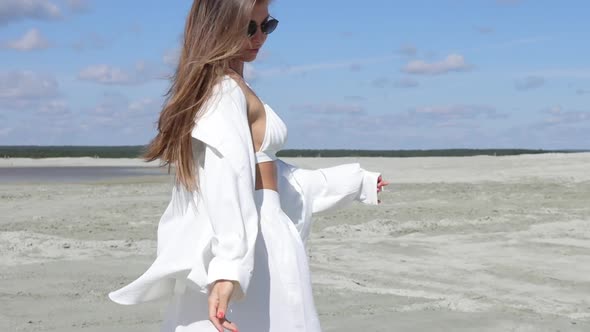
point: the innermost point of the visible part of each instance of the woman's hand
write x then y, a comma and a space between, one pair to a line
380, 184
219, 297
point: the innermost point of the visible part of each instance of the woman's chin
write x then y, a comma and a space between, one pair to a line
249, 58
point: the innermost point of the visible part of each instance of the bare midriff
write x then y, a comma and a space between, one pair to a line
266, 176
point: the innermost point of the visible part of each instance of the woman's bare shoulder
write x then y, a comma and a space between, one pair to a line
236, 79
253, 103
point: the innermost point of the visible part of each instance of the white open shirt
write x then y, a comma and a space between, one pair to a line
210, 236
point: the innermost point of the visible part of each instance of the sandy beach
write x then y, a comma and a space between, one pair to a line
458, 244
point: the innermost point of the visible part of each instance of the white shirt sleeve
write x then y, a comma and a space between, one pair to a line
335, 187
226, 195
368, 190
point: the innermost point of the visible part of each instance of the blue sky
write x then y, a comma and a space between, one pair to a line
380, 74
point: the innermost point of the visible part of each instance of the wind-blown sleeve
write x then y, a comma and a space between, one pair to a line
307, 191
335, 187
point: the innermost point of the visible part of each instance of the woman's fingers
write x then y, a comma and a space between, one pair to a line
213, 303
380, 184
218, 301
222, 308
224, 291
230, 325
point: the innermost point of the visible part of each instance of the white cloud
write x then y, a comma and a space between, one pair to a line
31, 40
355, 67
31, 91
408, 50
388, 130
381, 82
575, 73
136, 28
452, 63
508, 2
78, 5
5, 131
454, 112
433, 126
171, 57
113, 120
559, 129
484, 30
330, 109
356, 98
347, 34
109, 105
90, 40
21, 85
557, 116
250, 73
17, 10
530, 82
509, 44
406, 83
110, 75
141, 66
263, 56
143, 106
303, 69
54, 108
104, 74
114, 110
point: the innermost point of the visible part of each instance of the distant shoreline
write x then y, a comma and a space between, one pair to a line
139, 163
134, 152
76, 162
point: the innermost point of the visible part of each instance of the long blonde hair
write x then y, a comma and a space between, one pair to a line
213, 36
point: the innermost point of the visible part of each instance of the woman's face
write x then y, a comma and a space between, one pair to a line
252, 45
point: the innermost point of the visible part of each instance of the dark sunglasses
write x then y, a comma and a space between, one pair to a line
269, 25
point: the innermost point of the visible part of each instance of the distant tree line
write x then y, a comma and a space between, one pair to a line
136, 151
410, 153
133, 151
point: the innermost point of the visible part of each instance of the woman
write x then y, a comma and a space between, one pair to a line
231, 244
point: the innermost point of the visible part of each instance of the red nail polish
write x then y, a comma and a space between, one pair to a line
220, 315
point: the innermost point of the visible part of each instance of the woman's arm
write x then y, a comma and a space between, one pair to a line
337, 186
228, 200
228, 185
229, 196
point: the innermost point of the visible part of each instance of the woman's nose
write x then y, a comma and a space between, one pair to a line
257, 37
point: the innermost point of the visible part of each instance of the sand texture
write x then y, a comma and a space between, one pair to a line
458, 244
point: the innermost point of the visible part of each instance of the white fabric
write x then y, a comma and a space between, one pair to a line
280, 294
209, 235
275, 136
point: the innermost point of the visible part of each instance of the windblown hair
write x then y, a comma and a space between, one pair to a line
213, 36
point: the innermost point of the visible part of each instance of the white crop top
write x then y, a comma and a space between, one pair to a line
275, 136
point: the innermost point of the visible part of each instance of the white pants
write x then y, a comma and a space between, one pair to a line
279, 297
